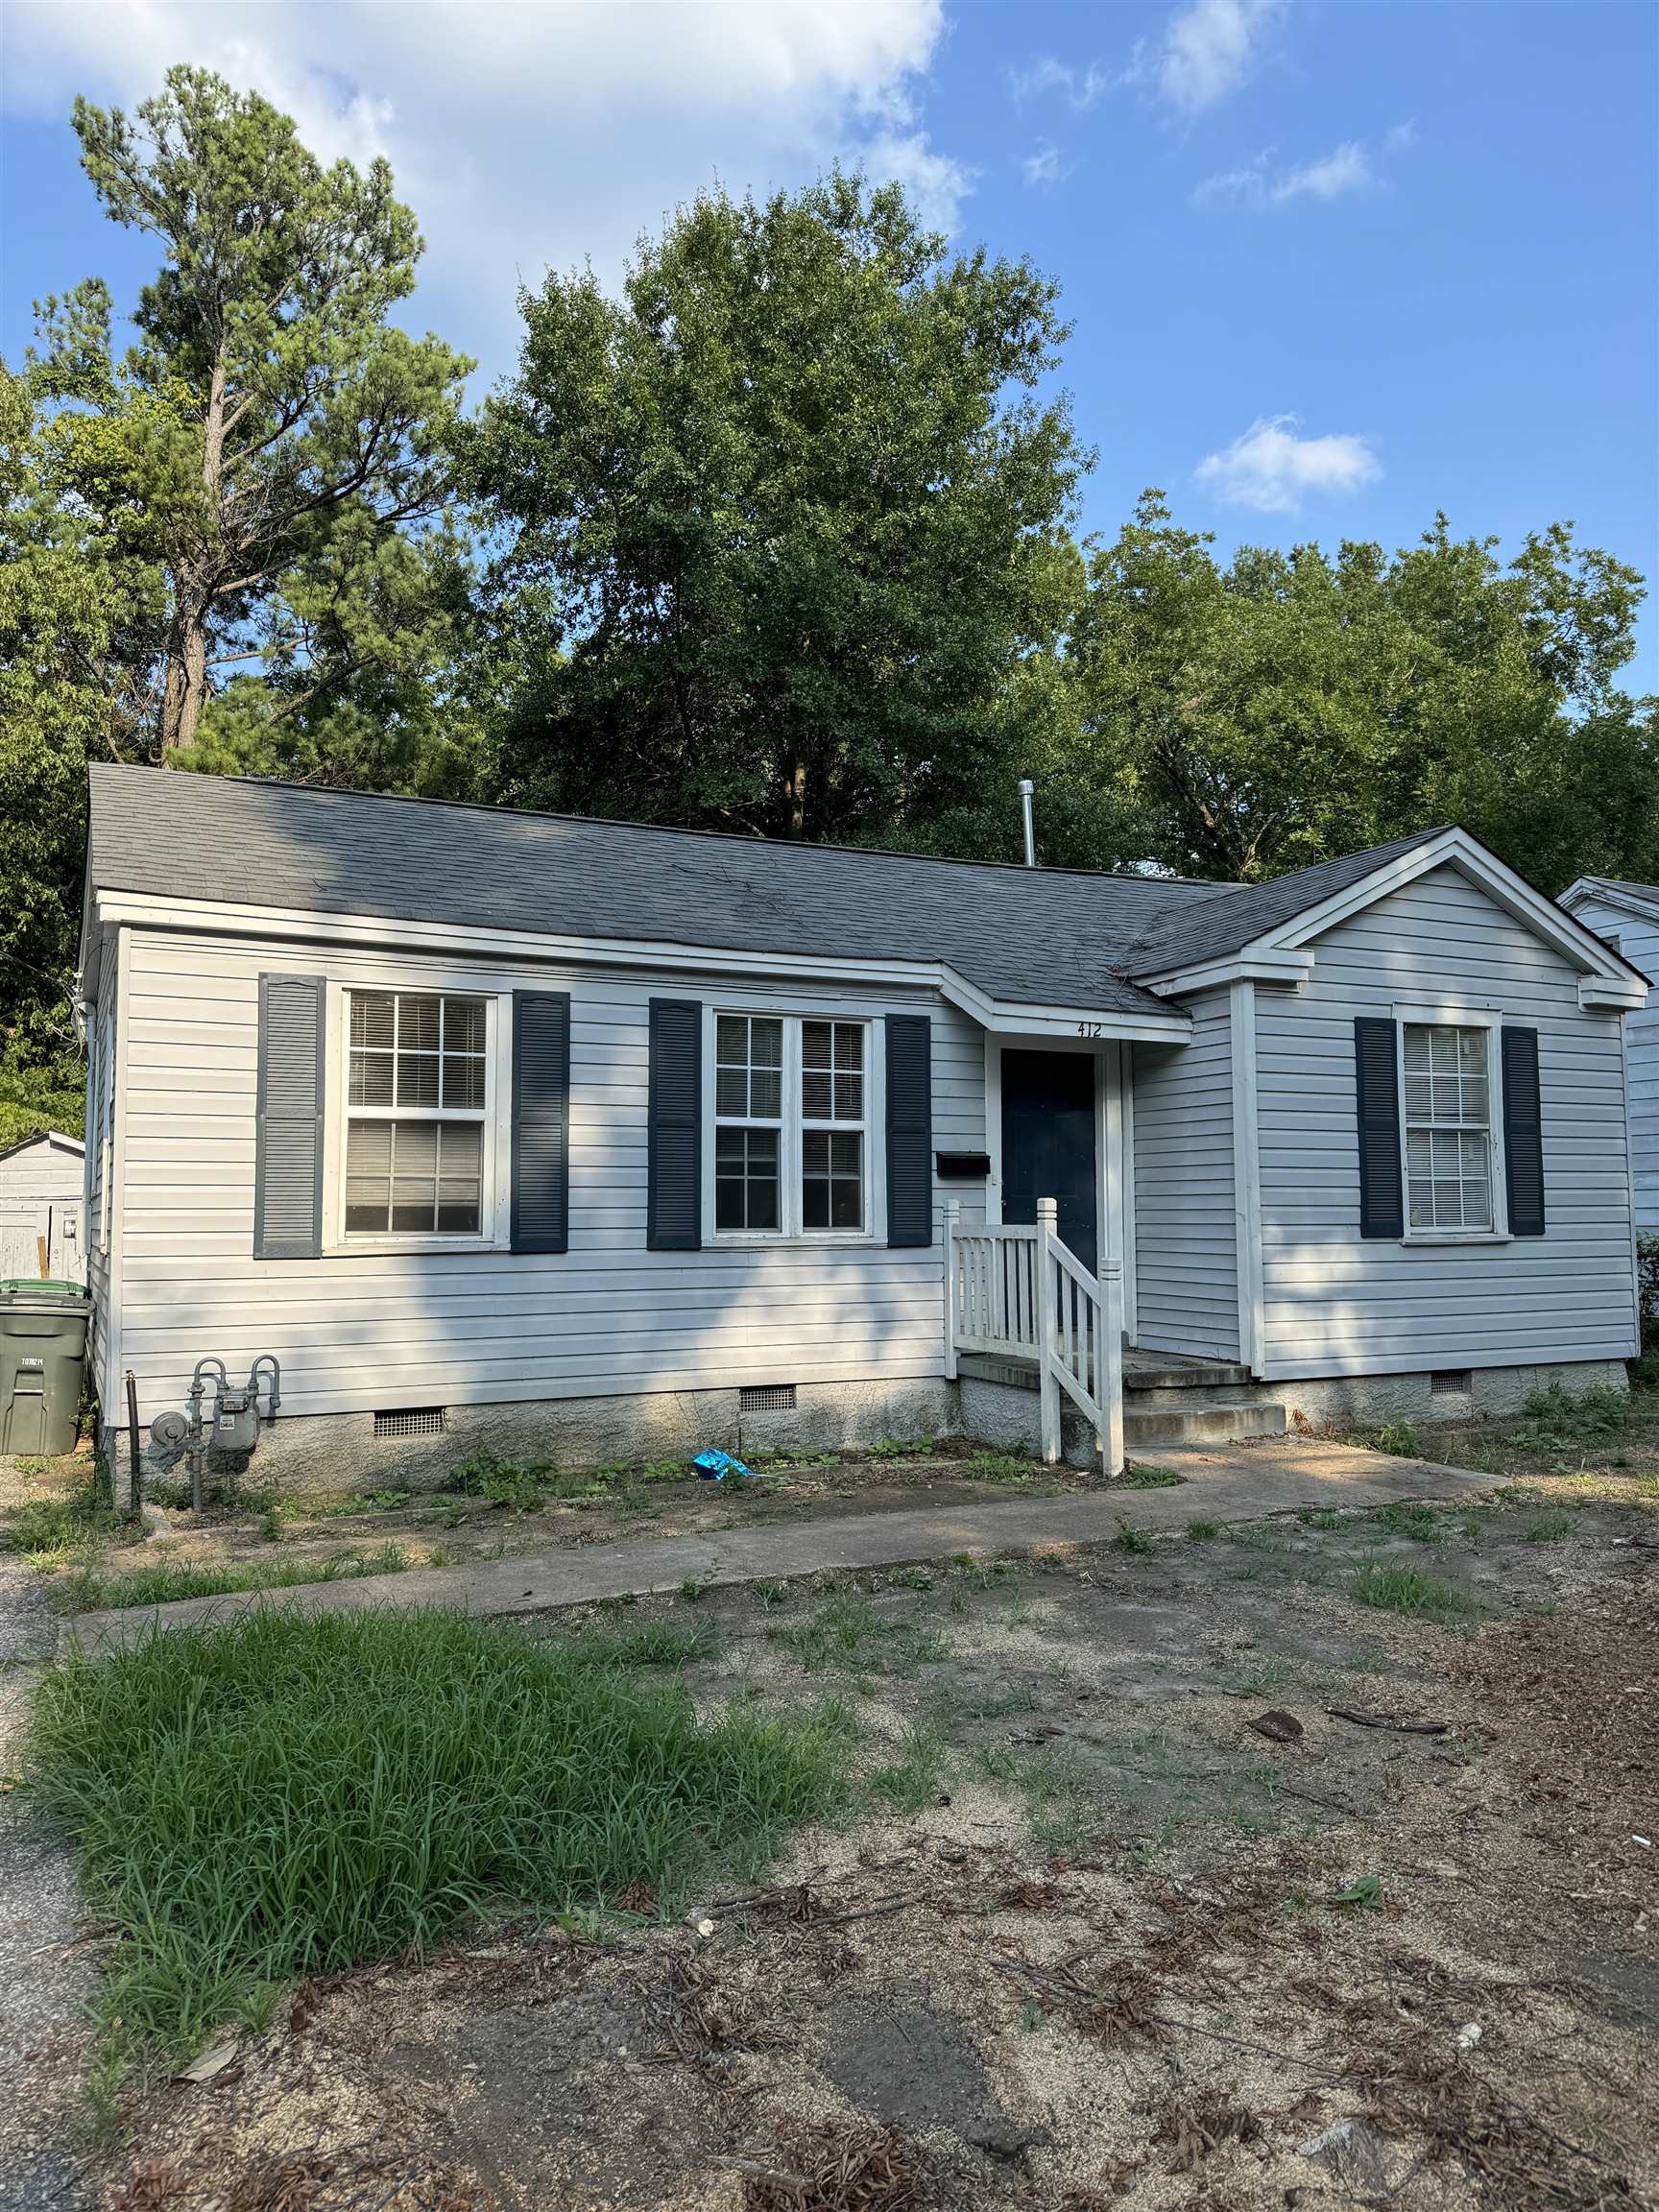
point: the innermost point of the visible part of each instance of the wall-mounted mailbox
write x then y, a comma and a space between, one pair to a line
962, 1166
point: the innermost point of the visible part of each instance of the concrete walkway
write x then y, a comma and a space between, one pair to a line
1227, 1483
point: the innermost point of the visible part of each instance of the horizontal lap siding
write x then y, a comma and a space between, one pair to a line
360, 1332
1639, 941
1336, 1303
1185, 1228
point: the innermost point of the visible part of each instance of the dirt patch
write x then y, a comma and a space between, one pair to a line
1088, 1938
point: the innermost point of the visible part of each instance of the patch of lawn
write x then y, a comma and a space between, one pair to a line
1420, 1523
1003, 1467
1399, 1438
1319, 1517
51, 1531
1401, 1589
168, 1579
915, 1779
1136, 1477
1202, 1531
284, 1796
1550, 1528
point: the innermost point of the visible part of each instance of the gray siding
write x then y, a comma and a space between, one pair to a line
1639, 942
1337, 1304
366, 1330
1185, 1225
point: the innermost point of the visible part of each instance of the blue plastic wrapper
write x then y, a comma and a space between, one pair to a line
716, 1466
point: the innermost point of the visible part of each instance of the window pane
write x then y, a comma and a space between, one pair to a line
815, 1202
766, 1092
1448, 1206
463, 1082
746, 1179
416, 1078
732, 1040
372, 1019
815, 1152
369, 1148
728, 1202
1418, 1151
370, 1083
816, 1050
849, 1046
846, 1154
463, 1148
1416, 1046
413, 1205
1422, 1203
763, 1202
731, 1091
463, 1024
849, 1097
766, 1042
1477, 1204
817, 1094
418, 1020
364, 1217
846, 1204
1448, 1098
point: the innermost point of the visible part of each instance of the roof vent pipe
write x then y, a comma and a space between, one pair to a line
1026, 787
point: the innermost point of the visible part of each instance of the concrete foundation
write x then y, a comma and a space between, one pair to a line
341, 1451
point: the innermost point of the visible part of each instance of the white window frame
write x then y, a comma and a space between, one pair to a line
792, 1229
1453, 1015
495, 1215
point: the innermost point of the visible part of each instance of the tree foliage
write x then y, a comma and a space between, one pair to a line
786, 518
270, 432
1290, 706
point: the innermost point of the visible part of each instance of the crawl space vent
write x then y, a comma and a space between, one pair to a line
766, 1398
1452, 1382
413, 1421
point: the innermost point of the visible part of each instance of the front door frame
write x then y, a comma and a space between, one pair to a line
1113, 1142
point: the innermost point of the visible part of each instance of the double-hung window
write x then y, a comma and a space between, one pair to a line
791, 1126
417, 1094
1448, 1117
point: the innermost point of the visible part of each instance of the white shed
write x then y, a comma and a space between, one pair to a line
44, 1207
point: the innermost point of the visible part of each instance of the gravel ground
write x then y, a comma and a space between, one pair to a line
45, 1974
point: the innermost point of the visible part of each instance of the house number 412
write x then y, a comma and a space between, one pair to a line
1090, 1029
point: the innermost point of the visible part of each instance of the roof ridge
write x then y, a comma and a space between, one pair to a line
672, 830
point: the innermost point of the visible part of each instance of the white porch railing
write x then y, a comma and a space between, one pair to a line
1019, 1294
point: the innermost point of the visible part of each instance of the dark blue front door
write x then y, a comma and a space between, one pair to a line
1049, 1142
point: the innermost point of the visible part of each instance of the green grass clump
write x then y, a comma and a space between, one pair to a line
1396, 1437
1003, 1467
1420, 1523
51, 1531
286, 1796
1135, 1478
916, 1777
1401, 1589
170, 1579
499, 1482
1559, 1417
1550, 1528
1203, 1531
896, 1448
1131, 1538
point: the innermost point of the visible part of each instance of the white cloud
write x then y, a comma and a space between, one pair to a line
529, 137
1209, 51
1080, 88
1401, 138
1043, 167
1272, 469
1347, 168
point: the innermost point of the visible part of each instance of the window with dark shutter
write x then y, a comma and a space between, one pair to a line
1522, 1133
541, 1120
673, 1206
1377, 1083
288, 1138
909, 1129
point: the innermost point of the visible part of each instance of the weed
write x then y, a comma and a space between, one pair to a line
695, 1588
1420, 1523
381, 1501
169, 1580
1131, 1538
913, 1780
896, 1448
908, 1578
1319, 1517
51, 1531
982, 1574
1032, 2017
1202, 1531
499, 1482
1367, 1891
1054, 1785
1003, 1467
1401, 1589
1556, 1417
1139, 1477
769, 1595
1399, 1438
355, 1785
1550, 1528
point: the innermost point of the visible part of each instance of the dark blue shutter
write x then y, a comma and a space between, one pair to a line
674, 1201
1522, 1133
1377, 1082
288, 1118
541, 1120
909, 1129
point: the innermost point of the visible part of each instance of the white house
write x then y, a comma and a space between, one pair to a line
583, 1137
43, 1208
1626, 917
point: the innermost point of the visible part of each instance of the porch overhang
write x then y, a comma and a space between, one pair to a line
1152, 1025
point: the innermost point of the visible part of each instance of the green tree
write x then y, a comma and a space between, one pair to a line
1291, 706
784, 521
269, 427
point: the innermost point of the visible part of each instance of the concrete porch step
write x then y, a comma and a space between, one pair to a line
1170, 1371
1199, 1423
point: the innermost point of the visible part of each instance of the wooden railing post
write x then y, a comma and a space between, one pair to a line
1110, 1370
1048, 1387
953, 1221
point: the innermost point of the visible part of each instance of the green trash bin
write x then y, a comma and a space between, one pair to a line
43, 1351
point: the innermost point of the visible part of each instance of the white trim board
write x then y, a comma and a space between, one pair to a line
1004, 1017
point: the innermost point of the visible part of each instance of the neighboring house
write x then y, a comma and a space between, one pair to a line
579, 1137
1626, 917
42, 1210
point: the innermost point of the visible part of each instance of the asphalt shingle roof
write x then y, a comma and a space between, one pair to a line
1030, 936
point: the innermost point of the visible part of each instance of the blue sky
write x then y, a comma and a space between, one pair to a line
1330, 266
